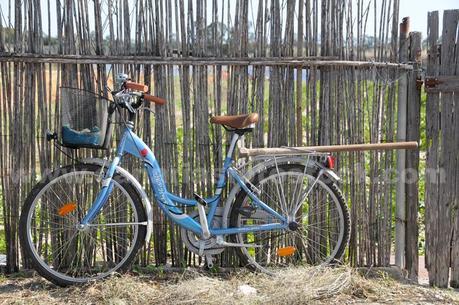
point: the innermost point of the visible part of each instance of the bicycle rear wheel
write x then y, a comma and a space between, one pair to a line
318, 232
66, 254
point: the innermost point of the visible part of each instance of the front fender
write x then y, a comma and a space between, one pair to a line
137, 186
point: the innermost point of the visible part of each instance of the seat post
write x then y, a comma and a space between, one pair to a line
226, 164
233, 142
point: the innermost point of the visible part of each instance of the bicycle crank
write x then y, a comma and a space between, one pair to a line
222, 242
200, 246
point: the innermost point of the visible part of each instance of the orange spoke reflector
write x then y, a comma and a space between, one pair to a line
286, 251
67, 208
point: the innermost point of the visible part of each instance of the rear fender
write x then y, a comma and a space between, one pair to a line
266, 162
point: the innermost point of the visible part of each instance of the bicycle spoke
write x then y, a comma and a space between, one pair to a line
81, 253
314, 207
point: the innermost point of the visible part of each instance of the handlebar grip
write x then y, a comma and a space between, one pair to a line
154, 99
136, 86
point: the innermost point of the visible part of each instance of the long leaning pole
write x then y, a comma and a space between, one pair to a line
282, 151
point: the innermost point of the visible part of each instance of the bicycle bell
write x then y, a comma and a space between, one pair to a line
120, 79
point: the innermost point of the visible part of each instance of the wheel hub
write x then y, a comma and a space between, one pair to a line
82, 227
293, 226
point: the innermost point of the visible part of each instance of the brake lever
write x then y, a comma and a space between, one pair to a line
129, 107
148, 109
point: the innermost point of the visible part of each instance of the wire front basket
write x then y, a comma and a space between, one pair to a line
85, 119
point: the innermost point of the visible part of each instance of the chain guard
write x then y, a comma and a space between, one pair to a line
193, 242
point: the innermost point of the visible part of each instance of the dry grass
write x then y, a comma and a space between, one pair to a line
292, 286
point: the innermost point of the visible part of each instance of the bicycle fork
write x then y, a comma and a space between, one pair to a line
104, 193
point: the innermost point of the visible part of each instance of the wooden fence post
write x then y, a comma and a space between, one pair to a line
412, 159
432, 129
447, 170
400, 214
441, 168
453, 174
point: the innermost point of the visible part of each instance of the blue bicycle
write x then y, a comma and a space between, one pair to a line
88, 220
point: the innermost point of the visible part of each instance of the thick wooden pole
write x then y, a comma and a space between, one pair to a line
400, 212
454, 163
433, 144
299, 77
448, 153
412, 159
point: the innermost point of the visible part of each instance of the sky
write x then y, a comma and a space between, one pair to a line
415, 9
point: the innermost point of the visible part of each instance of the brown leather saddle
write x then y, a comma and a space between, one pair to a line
236, 121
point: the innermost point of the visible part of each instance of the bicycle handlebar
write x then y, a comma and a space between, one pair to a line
154, 99
136, 86
143, 88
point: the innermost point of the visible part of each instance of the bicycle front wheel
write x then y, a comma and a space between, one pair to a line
63, 252
319, 223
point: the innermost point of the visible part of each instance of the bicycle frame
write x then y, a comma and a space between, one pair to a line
130, 143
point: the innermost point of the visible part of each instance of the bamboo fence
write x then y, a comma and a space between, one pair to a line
305, 66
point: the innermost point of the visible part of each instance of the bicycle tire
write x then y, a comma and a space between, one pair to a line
25, 233
235, 214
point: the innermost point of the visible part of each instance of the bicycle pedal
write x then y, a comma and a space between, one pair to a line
247, 211
210, 261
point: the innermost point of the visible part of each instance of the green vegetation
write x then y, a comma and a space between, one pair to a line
2, 241
422, 169
2, 228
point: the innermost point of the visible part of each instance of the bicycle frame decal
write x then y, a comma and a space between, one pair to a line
130, 143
